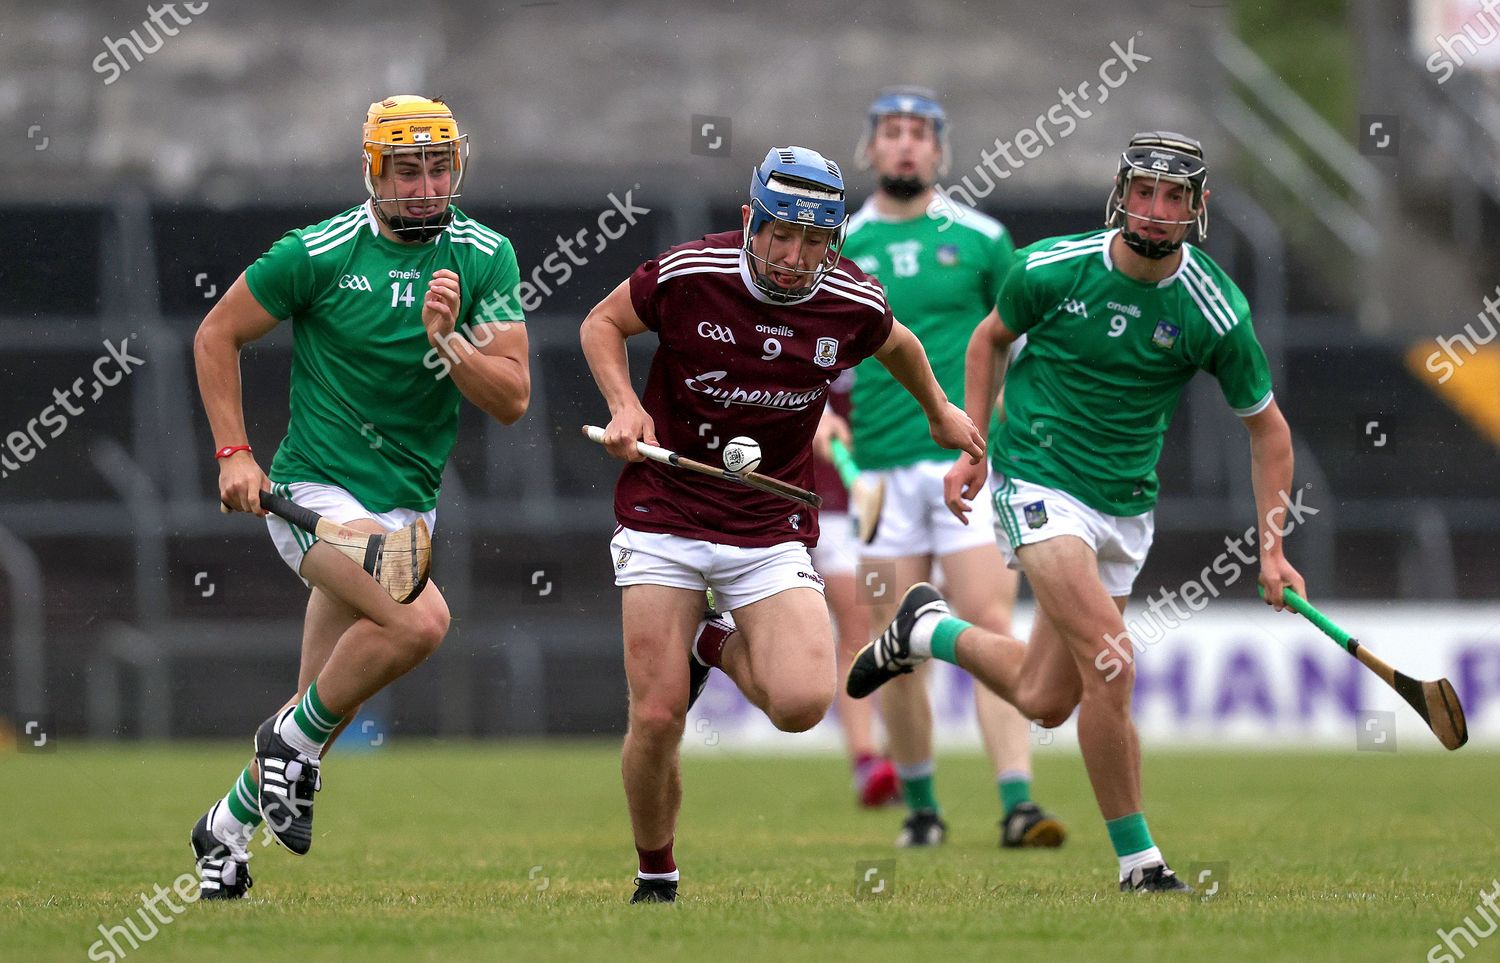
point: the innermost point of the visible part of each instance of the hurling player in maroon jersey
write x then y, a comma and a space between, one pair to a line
753, 326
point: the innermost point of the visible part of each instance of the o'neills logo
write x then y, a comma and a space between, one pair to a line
708, 384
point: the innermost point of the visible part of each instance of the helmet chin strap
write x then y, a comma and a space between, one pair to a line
416, 229
1148, 248
902, 188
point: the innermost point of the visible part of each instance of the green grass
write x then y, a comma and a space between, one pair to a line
448, 852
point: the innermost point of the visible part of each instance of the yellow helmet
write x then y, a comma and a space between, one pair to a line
407, 124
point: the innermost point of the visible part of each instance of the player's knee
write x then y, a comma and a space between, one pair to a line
426, 629
1052, 714
1112, 681
797, 713
657, 722
1048, 709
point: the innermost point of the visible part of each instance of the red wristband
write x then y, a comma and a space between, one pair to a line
228, 450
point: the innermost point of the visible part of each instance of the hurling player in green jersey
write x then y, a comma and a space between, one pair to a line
400, 307
1116, 322
941, 276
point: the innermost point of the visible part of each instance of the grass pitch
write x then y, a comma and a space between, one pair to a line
503, 851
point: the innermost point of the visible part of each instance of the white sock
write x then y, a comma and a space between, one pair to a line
227, 829
292, 735
1140, 860
672, 876
921, 633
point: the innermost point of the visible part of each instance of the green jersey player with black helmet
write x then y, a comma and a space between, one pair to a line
1115, 322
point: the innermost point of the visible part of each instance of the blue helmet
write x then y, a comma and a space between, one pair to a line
800, 187
907, 101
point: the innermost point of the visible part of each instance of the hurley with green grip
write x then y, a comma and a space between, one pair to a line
1436, 702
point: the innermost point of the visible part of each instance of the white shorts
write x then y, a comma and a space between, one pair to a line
916, 521
837, 551
1026, 514
738, 576
336, 505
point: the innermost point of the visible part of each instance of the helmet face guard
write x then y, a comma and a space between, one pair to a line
406, 130
1160, 156
796, 190
905, 101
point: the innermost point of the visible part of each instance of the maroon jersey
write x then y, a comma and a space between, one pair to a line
826, 480
732, 362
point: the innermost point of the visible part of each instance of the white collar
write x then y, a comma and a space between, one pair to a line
1187, 253
754, 289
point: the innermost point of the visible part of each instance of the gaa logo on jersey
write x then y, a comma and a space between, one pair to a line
947, 254
355, 282
1165, 335
1036, 514
826, 354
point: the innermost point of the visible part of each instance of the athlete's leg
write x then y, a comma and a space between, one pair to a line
1064, 574
982, 590
658, 624
904, 705
782, 658
387, 640
851, 623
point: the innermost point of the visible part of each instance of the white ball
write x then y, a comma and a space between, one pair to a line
742, 454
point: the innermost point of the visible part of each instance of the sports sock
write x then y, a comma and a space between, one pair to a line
1132, 842
916, 785
1015, 788
921, 633
708, 641
944, 638
657, 863
238, 813
307, 727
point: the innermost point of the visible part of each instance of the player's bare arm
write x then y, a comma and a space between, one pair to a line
1271, 477
233, 322
497, 378
603, 334
904, 358
982, 381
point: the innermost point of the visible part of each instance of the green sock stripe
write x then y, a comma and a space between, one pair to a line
1129, 834
242, 799
945, 638
313, 717
919, 793
1013, 792
315, 707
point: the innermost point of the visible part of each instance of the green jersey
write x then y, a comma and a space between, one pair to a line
1090, 393
372, 408
941, 275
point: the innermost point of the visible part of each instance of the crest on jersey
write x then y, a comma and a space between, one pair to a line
1036, 514
826, 354
1165, 335
947, 254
